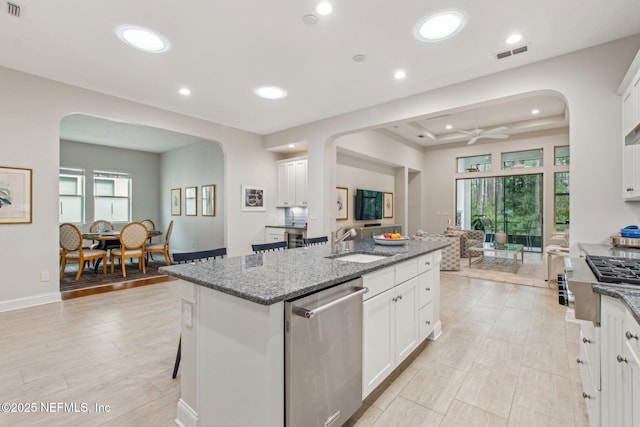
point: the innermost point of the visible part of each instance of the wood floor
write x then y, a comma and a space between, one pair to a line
506, 358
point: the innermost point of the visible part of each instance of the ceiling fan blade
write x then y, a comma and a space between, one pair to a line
472, 140
494, 131
495, 136
468, 132
429, 134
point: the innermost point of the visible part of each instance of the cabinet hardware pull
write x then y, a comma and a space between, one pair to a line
428, 289
586, 396
586, 340
579, 361
629, 335
427, 322
629, 189
427, 263
621, 359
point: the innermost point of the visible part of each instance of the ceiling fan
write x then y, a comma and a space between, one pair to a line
476, 134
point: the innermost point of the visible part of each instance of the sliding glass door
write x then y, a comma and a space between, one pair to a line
512, 204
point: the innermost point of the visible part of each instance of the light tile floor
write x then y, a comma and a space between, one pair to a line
506, 358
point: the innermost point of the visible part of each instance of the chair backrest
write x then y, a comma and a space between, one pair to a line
133, 235
266, 247
168, 235
100, 225
70, 237
185, 257
149, 224
311, 241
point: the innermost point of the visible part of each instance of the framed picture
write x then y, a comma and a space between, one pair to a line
176, 201
387, 205
342, 203
191, 201
252, 198
208, 197
15, 195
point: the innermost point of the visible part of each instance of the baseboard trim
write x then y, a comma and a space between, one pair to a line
17, 304
186, 416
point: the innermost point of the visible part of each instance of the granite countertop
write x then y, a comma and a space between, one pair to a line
627, 293
283, 275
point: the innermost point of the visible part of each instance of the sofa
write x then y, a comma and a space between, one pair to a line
450, 254
468, 238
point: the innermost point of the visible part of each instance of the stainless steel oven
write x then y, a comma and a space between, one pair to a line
323, 356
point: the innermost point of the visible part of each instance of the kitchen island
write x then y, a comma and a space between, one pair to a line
232, 369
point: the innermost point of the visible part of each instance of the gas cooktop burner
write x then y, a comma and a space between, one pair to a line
615, 270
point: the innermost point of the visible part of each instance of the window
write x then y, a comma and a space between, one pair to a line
71, 195
112, 196
561, 200
561, 155
522, 159
474, 164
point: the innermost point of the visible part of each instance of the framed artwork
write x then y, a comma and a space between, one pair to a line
176, 201
208, 196
15, 195
387, 205
342, 203
191, 201
252, 198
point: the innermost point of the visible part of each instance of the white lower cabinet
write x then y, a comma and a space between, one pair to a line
398, 314
620, 366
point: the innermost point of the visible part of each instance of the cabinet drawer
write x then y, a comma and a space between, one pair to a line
406, 270
378, 282
425, 263
425, 318
590, 394
425, 288
590, 340
632, 334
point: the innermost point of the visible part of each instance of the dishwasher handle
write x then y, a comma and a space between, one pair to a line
309, 313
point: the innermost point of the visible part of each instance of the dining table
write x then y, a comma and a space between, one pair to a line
109, 239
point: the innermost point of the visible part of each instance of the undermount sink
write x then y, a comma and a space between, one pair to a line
363, 258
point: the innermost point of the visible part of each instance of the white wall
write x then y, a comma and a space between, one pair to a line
587, 79
196, 165
144, 167
31, 110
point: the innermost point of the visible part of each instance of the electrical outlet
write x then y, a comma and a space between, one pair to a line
188, 314
44, 276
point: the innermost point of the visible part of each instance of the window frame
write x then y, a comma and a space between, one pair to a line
112, 176
79, 175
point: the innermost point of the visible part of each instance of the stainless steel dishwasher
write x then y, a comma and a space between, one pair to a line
323, 356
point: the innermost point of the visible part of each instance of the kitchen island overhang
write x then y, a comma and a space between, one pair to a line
232, 370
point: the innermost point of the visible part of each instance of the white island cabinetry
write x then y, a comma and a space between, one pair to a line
400, 311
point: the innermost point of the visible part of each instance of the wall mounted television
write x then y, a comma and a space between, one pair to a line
368, 205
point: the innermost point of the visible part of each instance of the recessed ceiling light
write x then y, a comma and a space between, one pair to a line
324, 8
358, 58
270, 92
310, 19
535, 111
292, 145
185, 91
142, 39
448, 127
513, 38
400, 74
439, 26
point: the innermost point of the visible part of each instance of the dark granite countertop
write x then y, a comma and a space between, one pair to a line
629, 294
283, 275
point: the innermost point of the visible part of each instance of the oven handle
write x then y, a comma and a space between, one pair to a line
308, 314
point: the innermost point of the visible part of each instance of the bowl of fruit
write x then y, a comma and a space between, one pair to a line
391, 239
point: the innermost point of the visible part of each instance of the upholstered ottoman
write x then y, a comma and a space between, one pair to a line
450, 254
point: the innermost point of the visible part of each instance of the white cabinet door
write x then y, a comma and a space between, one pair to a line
615, 379
406, 319
378, 335
300, 185
634, 386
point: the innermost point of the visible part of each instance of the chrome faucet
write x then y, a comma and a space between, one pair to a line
335, 240
293, 218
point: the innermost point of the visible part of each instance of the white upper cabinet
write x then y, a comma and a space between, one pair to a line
630, 92
292, 182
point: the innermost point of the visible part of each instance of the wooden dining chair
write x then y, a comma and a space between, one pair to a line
313, 241
133, 237
98, 226
71, 250
162, 248
150, 226
267, 247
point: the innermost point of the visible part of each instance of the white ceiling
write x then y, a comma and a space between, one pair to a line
222, 50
